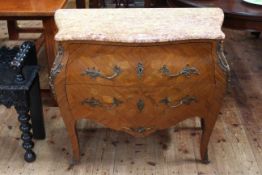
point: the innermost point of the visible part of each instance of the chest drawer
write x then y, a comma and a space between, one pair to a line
161, 65
132, 108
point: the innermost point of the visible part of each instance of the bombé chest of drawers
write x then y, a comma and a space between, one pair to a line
139, 70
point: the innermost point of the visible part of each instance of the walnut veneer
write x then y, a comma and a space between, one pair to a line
140, 102
138, 88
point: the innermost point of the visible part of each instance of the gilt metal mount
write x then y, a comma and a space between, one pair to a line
140, 70
222, 61
187, 71
93, 102
140, 105
57, 67
94, 73
187, 100
139, 130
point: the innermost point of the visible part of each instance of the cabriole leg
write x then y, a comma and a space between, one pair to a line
72, 132
202, 122
207, 126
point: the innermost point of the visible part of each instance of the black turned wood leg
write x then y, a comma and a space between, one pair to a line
36, 110
26, 136
22, 109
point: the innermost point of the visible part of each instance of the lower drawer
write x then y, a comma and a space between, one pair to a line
136, 110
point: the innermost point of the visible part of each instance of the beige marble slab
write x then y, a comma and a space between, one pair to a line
139, 25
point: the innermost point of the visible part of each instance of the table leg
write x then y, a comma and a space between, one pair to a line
39, 42
12, 29
80, 4
147, 3
95, 3
256, 34
202, 122
50, 45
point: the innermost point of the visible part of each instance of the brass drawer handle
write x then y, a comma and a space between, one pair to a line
94, 73
97, 103
187, 100
187, 71
138, 129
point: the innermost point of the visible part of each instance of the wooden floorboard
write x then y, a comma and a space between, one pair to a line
235, 146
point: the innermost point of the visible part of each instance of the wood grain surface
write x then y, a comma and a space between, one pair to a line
105, 57
139, 103
13, 8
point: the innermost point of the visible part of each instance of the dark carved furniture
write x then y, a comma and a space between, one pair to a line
19, 87
159, 71
238, 14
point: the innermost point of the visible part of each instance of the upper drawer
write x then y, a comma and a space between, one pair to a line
161, 65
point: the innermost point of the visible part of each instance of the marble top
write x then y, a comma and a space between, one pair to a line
139, 25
